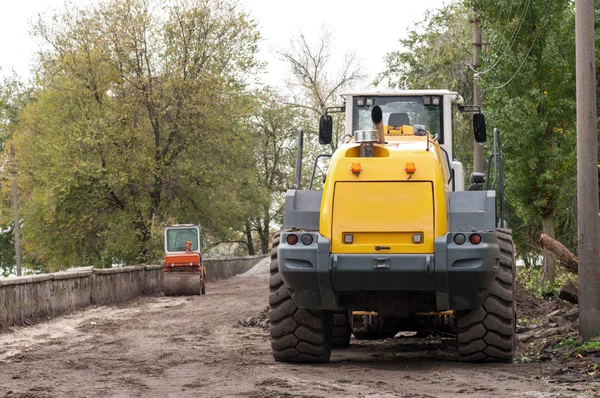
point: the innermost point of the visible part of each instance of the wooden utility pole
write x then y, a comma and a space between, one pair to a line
16, 226
587, 173
478, 160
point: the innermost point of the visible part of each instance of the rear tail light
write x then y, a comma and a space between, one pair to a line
292, 239
475, 239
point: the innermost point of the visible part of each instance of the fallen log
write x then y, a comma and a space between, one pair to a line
569, 292
543, 333
560, 253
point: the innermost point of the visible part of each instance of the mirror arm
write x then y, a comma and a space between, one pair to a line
335, 109
469, 108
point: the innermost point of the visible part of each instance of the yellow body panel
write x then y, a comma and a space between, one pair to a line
365, 209
384, 214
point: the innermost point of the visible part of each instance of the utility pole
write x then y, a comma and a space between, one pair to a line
478, 160
16, 227
587, 173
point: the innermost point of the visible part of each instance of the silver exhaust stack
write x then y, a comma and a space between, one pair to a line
366, 139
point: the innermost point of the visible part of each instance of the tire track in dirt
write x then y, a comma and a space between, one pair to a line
198, 346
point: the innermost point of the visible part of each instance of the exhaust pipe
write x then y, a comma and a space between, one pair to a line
366, 138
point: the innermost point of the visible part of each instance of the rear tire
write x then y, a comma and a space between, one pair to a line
341, 330
302, 336
488, 333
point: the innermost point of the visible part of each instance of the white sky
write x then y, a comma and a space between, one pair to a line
368, 28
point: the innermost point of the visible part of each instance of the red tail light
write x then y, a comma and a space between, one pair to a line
475, 239
292, 239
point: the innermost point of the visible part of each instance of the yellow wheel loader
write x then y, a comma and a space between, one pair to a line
183, 272
393, 241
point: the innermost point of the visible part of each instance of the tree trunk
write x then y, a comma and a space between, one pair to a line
569, 292
264, 234
560, 253
249, 240
549, 264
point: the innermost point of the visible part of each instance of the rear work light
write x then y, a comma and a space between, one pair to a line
475, 239
307, 239
459, 239
292, 239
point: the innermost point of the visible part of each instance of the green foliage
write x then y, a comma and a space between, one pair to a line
137, 122
535, 111
435, 55
531, 279
13, 97
273, 127
571, 346
7, 252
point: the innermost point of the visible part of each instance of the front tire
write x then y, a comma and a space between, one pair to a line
488, 333
302, 336
342, 331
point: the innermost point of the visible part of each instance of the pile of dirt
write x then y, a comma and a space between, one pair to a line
259, 321
528, 306
531, 307
543, 323
261, 269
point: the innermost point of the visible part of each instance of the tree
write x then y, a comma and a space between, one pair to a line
274, 125
435, 55
136, 123
529, 88
13, 97
312, 84
527, 78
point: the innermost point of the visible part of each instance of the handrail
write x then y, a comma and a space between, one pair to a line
312, 177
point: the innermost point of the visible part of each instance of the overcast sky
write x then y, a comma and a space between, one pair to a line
369, 28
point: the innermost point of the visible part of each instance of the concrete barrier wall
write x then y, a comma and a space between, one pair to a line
226, 267
29, 299
153, 280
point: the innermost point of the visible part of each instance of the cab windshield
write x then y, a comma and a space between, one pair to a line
400, 111
176, 239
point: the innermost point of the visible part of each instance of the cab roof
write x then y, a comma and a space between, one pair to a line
396, 93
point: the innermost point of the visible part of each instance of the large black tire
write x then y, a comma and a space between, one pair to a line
302, 336
341, 329
488, 333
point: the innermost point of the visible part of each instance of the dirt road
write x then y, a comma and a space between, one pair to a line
189, 347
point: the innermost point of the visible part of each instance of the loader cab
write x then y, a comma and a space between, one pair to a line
430, 108
176, 237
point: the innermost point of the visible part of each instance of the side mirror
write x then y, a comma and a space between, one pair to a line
325, 129
479, 128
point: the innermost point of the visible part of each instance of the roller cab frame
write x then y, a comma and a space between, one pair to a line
183, 270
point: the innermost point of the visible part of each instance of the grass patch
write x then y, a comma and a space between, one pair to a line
572, 346
529, 321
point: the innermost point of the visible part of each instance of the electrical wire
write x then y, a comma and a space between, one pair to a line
530, 48
497, 23
511, 42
